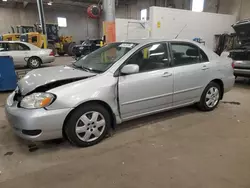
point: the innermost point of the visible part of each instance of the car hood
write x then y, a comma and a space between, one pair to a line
45, 76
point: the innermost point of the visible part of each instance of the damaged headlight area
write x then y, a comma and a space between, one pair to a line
37, 100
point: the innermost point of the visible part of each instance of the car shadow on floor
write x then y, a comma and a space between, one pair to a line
124, 127
155, 118
242, 83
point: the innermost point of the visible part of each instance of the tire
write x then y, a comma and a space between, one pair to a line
211, 93
61, 53
65, 47
70, 49
87, 118
52, 47
34, 62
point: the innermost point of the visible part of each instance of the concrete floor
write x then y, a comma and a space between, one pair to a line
182, 148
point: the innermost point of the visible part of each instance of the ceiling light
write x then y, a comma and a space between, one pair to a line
50, 3
4, 0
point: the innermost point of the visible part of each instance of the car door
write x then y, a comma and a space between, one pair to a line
151, 89
19, 52
191, 72
3, 51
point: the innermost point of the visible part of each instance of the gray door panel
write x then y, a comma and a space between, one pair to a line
189, 82
145, 92
191, 72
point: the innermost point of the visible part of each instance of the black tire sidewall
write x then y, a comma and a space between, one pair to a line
70, 124
203, 106
61, 53
30, 64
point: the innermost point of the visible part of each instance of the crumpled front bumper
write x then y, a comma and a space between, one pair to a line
47, 124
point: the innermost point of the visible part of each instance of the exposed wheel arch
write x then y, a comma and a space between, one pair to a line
221, 84
35, 57
104, 104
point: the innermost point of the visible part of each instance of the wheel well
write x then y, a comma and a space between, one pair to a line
102, 103
220, 83
35, 57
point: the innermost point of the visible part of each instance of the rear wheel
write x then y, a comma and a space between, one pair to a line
211, 97
70, 49
34, 62
88, 125
61, 53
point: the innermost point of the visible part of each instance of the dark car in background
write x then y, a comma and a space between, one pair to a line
86, 47
240, 54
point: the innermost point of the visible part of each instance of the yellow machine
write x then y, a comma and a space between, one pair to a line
63, 44
10, 37
15, 35
34, 38
59, 44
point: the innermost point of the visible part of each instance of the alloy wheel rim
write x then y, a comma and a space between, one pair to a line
212, 97
34, 63
90, 126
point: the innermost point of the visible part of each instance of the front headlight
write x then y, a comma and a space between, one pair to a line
37, 100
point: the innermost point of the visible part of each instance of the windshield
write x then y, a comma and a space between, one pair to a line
100, 60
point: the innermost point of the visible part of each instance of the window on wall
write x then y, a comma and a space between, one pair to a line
144, 13
198, 5
62, 22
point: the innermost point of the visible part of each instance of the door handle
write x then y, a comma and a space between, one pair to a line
205, 67
167, 74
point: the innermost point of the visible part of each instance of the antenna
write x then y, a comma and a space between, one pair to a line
180, 31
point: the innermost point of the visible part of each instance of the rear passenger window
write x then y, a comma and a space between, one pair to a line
204, 57
185, 54
17, 47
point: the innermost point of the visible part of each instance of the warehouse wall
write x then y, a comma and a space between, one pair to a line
79, 26
131, 29
167, 23
239, 8
131, 9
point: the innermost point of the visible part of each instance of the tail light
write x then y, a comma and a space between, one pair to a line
233, 65
51, 53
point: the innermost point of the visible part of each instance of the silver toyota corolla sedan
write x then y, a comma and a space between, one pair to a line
116, 83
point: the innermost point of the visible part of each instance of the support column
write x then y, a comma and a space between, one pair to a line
109, 20
42, 19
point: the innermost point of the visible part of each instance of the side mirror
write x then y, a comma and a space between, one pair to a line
130, 69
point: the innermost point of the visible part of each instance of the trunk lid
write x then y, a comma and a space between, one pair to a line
242, 29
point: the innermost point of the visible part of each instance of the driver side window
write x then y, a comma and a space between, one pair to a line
151, 57
17, 47
2, 47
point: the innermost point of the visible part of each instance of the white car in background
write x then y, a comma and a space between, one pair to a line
26, 54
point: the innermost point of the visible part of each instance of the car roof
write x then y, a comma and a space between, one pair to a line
14, 42
33, 47
148, 41
143, 42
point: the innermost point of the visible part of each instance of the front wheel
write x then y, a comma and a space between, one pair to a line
87, 125
34, 62
211, 97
